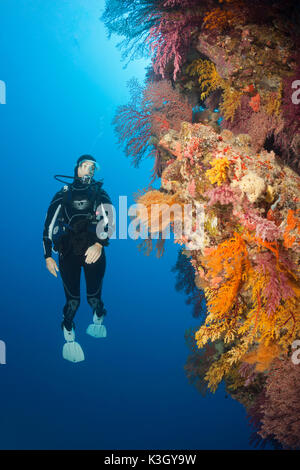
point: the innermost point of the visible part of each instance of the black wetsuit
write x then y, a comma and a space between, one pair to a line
76, 205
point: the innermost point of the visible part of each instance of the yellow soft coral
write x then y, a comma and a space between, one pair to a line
208, 77
209, 80
218, 172
224, 365
283, 326
231, 100
273, 101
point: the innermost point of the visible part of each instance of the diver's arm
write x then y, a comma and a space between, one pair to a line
51, 216
103, 198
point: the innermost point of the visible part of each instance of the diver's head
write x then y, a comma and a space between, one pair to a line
85, 168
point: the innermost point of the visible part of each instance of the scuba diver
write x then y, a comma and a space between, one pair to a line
76, 228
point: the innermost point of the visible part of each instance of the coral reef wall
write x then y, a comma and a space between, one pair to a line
220, 114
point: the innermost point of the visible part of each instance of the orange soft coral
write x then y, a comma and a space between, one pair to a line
230, 262
292, 224
263, 356
217, 19
157, 212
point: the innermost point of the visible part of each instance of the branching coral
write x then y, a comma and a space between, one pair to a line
230, 101
150, 112
172, 33
207, 75
281, 408
198, 362
210, 80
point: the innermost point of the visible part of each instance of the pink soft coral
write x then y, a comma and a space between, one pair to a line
223, 194
267, 230
192, 188
172, 32
277, 287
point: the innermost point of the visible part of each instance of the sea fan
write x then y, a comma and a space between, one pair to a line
281, 409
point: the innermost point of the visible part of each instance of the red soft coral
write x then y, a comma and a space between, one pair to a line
255, 102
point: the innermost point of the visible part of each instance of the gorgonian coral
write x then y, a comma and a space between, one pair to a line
151, 111
281, 407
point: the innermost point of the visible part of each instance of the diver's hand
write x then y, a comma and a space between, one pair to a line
51, 266
93, 253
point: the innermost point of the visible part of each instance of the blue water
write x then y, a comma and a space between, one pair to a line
64, 80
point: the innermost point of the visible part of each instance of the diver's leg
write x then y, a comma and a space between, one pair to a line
94, 274
70, 270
